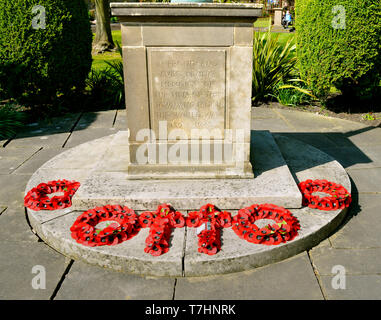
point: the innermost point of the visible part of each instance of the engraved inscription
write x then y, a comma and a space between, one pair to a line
187, 88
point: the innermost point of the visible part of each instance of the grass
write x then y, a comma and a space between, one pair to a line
283, 37
99, 60
262, 22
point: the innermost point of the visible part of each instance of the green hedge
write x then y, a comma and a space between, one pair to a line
345, 56
46, 61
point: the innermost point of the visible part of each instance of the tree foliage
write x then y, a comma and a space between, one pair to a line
338, 45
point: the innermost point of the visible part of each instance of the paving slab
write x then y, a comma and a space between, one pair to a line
300, 156
78, 137
15, 227
89, 154
12, 158
344, 125
86, 282
272, 124
355, 261
37, 160
263, 113
48, 126
365, 136
357, 287
96, 120
355, 158
121, 120
367, 180
362, 230
316, 139
16, 265
340, 139
269, 282
13, 194
306, 121
41, 141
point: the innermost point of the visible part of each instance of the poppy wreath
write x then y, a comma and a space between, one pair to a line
209, 239
161, 222
37, 198
284, 229
123, 226
339, 197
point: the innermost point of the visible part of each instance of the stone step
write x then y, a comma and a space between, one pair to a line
273, 183
183, 258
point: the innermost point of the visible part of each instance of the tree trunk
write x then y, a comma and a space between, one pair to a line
103, 37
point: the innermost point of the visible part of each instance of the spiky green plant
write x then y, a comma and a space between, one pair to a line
10, 120
106, 86
273, 64
293, 95
116, 69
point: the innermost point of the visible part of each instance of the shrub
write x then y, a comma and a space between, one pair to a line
106, 86
11, 119
344, 53
291, 95
45, 61
273, 64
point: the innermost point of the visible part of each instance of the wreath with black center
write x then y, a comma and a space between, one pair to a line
123, 225
37, 198
339, 197
284, 229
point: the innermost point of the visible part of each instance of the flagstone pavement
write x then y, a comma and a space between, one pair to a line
355, 247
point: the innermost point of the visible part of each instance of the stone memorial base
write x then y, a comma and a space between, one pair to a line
279, 164
188, 74
110, 180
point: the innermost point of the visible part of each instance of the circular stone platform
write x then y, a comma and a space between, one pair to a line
183, 259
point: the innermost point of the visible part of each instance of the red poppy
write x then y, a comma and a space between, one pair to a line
37, 199
160, 223
177, 220
224, 219
284, 229
339, 197
193, 219
145, 219
120, 229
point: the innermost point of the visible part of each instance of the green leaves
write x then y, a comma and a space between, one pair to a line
273, 63
49, 60
107, 85
338, 45
10, 120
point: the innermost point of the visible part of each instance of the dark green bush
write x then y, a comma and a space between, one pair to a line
43, 63
106, 87
11, 119
345, 56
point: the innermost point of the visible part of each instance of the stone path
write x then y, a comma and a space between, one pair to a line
355, 245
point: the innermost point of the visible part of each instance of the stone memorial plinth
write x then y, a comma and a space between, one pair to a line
188, 73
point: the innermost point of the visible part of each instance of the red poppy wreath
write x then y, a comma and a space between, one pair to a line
122, 225
211, 220
339, 197
38, 199
284, 229
161, 222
